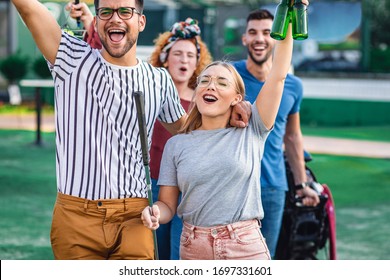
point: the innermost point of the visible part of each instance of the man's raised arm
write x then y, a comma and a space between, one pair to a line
42, 25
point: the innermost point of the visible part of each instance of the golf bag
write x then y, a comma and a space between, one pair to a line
306, 229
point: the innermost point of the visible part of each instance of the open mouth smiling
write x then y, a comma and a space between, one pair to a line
116, 35
259, 48
209, 98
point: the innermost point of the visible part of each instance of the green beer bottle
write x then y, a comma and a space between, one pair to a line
299, 20
281, 20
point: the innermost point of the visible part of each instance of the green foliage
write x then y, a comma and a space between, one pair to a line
380, 60
24, 109
347, 45
380, 16
40, 68
14, 67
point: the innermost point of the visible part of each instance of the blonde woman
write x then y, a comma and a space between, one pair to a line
216, 167
183, 53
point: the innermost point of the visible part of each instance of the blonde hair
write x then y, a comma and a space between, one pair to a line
194, 119
204, 54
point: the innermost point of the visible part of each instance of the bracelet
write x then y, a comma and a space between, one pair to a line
302, 185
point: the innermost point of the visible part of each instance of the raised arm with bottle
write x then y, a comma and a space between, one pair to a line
268, 101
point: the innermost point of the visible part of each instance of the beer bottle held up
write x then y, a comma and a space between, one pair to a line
299, 20
281, 20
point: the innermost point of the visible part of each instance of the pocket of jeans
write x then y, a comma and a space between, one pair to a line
249, 236
185, 238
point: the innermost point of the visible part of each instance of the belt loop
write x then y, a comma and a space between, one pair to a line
85, 205
192, 230
231, 231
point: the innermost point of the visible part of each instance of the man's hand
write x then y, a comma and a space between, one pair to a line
241, 114
310, 196
81, 11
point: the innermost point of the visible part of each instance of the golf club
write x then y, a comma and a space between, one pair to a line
140, 104
78, 19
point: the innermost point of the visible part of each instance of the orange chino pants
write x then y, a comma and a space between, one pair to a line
100, 229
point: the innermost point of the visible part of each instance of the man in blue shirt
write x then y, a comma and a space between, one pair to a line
254, 70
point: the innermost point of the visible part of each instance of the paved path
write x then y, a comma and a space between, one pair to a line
336, 146
347, 89
360, 148
26, 122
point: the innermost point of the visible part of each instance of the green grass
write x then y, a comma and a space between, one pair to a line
360, 188
354, 181
361, 192
27, 195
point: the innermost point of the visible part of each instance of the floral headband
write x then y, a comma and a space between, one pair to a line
187, 29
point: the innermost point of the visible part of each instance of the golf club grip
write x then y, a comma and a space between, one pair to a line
140, 104
77, 19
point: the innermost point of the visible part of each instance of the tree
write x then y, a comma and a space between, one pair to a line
14, 67
380, 23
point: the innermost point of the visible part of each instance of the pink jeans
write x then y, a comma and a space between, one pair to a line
238, 241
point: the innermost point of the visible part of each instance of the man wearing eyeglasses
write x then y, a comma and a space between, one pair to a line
100, 175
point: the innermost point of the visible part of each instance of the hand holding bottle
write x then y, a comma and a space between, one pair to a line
299, 20
281, 20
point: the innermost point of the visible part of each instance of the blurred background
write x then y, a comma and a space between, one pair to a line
347, 40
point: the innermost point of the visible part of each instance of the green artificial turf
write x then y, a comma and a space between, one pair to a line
27, 194
373, 133
355, 181
361, 191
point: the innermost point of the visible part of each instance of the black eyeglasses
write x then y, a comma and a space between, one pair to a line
123, 13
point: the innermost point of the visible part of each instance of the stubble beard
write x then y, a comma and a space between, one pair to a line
121, 52
260, 61
116, 52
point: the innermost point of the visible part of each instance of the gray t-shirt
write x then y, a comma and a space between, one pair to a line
218, 173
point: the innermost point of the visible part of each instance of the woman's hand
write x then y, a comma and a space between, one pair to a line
150, 217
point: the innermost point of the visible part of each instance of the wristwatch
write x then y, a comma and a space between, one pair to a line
302, 185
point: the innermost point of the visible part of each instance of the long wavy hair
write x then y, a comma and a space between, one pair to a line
204, 57
194, 119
